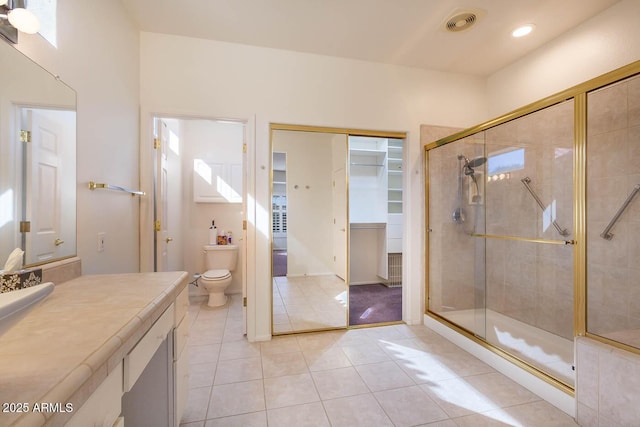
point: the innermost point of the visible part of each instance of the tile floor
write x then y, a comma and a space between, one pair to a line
308, 303
388, 376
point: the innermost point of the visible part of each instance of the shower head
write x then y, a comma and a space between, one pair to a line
470, 164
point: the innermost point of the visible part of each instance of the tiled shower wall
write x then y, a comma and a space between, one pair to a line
453, 269
532, 282
607, 387
613, 169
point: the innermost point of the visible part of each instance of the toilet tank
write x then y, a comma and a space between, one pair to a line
220, 257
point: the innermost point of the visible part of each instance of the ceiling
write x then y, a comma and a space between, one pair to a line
402, 32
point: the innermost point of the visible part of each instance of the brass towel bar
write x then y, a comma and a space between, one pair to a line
94, 185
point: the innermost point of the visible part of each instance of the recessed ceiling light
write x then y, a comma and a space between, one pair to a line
523, 30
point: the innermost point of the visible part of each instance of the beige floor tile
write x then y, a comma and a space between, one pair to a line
444, 423
239, 349
236, 398
279, 345
201, 375
356, 411
278, 365
322, 360
203, 353
289, 390
197, 404
480, 393
254, 419
196, 424
308, 415
339, 383
363, 354
426, 369
463, 363
529, 414
409, 406
384, 376
318, 341
404, 348
238, 370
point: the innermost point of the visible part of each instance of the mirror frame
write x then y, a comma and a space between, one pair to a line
347, 132
56, 95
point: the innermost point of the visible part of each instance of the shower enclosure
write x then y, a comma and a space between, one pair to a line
533, 226
500, 255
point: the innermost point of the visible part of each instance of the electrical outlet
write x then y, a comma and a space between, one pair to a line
101, 241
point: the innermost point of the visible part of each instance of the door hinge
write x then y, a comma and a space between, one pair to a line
25, 136
156, 143
25, 226
244, 148
244, 301
244, 224
156, 225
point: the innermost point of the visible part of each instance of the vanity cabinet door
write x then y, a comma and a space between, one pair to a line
104, 406
181, 365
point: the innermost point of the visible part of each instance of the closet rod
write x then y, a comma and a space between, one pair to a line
366, 164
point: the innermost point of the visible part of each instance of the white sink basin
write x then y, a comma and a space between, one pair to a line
14, 305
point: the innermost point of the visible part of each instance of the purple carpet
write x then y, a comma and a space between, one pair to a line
374, 304
279, 263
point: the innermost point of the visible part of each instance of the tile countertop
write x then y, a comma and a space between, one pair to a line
63, 350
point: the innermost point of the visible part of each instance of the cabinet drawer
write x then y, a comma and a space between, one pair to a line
103, 406
182, 305
139, 357
180, 337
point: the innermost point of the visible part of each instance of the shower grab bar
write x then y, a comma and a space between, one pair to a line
526, 180
94, 185
606, 232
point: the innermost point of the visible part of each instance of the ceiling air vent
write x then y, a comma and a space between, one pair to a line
461, 21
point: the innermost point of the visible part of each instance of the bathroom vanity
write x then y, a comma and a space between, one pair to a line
103, 350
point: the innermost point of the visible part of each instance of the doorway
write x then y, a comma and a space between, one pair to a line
375, 229
200, 177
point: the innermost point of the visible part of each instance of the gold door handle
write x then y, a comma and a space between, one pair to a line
58, 242
168, 239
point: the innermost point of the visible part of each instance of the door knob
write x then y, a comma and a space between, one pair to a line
58, 242
343, 229
168, 239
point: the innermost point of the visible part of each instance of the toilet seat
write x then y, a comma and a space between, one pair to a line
216, 275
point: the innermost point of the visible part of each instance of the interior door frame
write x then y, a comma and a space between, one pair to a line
147, 182
321, 129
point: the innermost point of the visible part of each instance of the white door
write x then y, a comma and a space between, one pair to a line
243, 243
43, 183
340, 223
161, 202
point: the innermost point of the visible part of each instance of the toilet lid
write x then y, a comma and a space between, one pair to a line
216, 274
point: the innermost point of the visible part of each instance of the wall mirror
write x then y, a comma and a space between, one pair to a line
337, 221
38, 161
309, 230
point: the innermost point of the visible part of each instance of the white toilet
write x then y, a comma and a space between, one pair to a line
219, 260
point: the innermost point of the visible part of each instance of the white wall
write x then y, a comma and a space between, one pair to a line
310, 247
602, 44
209, 78
97, 55
212, 142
